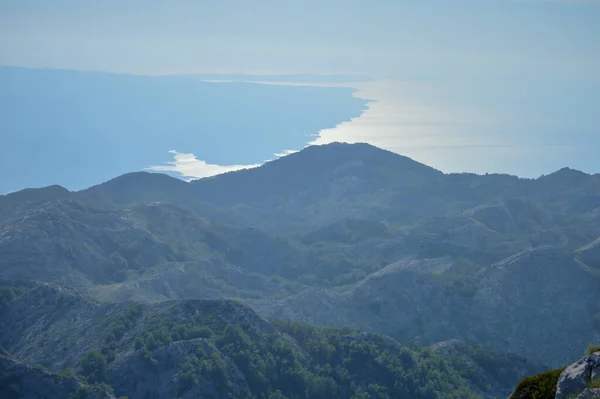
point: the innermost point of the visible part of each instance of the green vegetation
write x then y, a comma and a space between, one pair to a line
100, 390
118, 327
328, 363
488, 369
41, 368
593, 349
326, 224
171, 332
460, 278
93, 367
348, 231
334, 361
67, 374
541, 386
8, 294
295, 361
303, 362
201, 366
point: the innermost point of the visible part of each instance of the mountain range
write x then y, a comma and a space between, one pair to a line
339, 236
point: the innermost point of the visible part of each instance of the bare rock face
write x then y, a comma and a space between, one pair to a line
590, 394
577, 377
595, 358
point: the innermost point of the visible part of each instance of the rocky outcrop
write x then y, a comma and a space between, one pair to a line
577, 377
590, 394
590, 254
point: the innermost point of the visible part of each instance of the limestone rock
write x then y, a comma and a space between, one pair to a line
590, 394
595, 364
577, 377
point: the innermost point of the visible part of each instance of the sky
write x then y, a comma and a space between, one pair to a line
481, 85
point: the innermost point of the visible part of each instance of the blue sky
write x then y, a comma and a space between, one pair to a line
500, 86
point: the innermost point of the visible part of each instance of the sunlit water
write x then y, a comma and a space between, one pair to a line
77, 129
523, 128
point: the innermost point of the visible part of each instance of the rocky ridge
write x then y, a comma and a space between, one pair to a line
220, 349
580, 380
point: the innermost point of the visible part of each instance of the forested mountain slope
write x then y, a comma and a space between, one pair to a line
214, 349
339, 235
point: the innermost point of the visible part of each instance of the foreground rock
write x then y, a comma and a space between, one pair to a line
590, 394
577, 377
578, 381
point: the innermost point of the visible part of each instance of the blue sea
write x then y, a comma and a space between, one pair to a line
77, 129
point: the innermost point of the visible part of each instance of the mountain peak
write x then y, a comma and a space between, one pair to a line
567, 178
29, 193
30, 197
338, 152
140, 178
314, 168
137, 187
565, 173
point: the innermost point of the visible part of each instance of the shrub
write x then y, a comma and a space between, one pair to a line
101, 390
7, 295
149, 361
41, 368
67, 374
593, 349
198, 332
93, 367
541, 386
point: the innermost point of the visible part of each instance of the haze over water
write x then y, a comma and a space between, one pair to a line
482, 127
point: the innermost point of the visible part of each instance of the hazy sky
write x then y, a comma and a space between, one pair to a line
504, 85
403, 39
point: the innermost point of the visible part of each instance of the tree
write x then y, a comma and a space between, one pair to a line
7, 294
93, 367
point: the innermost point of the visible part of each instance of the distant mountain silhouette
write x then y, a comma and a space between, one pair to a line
313, 168
138, 187
30, 197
